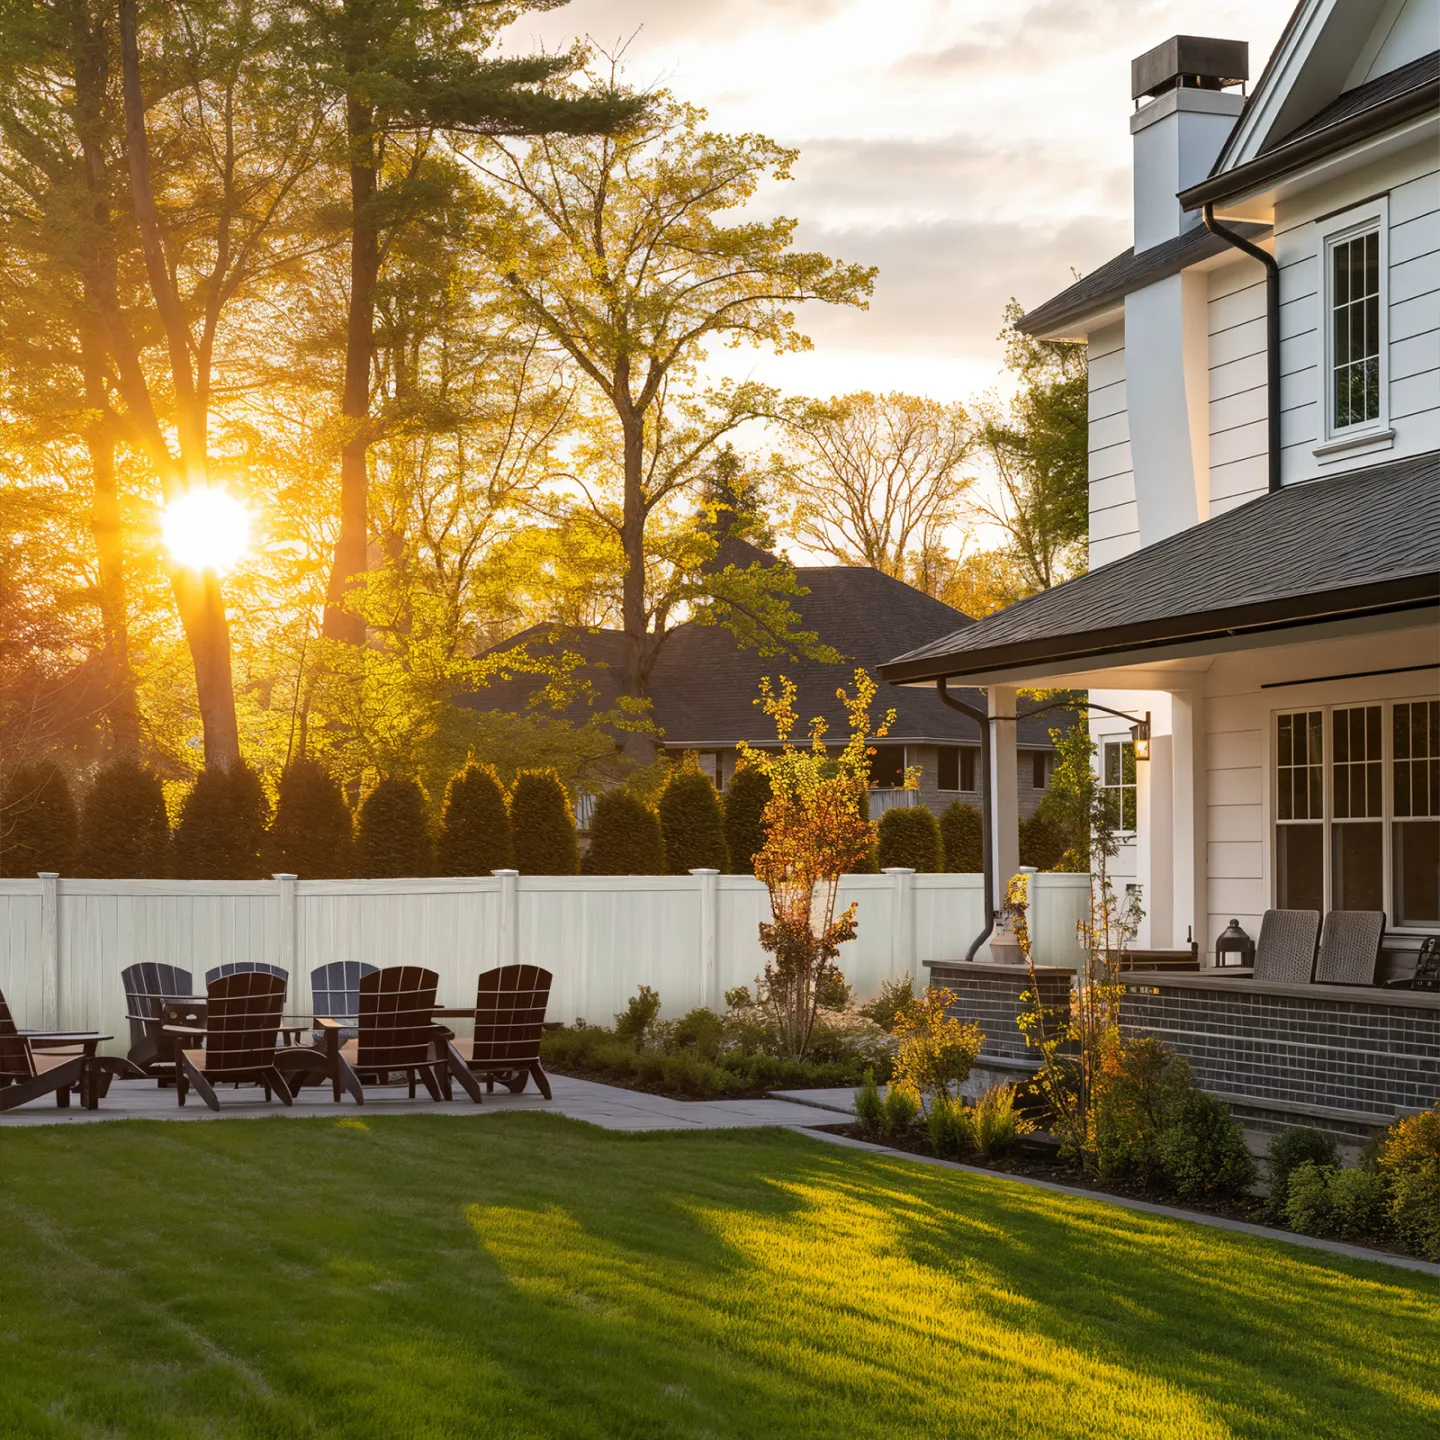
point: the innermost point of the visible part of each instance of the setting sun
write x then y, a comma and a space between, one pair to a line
206, 529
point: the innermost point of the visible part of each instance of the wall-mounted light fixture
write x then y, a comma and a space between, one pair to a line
1140, 734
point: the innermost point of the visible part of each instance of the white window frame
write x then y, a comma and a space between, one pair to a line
1102, 741
1338, 443
1387, 817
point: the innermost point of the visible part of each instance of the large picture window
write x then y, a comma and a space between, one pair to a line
1357, 810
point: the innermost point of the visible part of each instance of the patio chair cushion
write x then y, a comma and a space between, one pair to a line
1350, 947
1285, 952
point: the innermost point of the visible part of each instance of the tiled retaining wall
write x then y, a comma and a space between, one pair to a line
990, 995
1327, 1055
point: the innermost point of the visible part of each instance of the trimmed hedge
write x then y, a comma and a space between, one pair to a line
222, 826
911, 838
39, 823
624, 837
392, 833
124, 830
312, 835
746, 797
691, 822
962, 834
541, 825
475, 832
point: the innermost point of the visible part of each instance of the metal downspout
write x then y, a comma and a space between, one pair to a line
1272, 331
987, 840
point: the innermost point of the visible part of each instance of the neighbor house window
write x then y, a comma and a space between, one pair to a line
1042, 763
887, 767
1117, 776
712, 762
955, 768
1416, 828
1353, 260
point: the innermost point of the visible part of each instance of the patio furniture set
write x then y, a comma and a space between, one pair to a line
370, 1027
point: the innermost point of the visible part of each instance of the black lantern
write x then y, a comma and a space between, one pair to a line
1234, 947
1140, 735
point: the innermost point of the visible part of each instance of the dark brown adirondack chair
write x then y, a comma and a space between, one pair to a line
34, 1063
393, 1030
241, 1032
509, 1019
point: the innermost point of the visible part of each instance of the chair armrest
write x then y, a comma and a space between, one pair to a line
327, 1022
185, 1029
1404, 982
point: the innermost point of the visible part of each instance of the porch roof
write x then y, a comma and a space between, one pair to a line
1363, 543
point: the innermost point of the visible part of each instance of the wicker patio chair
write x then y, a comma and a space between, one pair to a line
151, 1049
509, 1020
1285, 951
1350, 947
238, 1041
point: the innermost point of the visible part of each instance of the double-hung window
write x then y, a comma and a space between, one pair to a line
1354, 366
955, 768
1357, 809
1117, 779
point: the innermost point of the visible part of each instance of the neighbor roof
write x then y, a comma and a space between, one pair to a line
1364, 542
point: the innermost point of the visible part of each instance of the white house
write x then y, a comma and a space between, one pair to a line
1264, 487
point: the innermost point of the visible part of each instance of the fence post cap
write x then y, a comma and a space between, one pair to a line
283, 876
503, 873
702, 870
47, 874
898, 870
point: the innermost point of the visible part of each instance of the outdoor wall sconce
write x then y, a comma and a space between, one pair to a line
1140, 734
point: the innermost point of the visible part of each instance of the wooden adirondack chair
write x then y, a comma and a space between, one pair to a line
238, 1041
509, 1020
145, 984
34, 1063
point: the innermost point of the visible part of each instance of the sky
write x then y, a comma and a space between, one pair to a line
972, 149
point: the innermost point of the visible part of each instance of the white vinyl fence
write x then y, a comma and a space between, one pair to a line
63, 943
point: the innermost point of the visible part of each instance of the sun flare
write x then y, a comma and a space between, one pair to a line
206, 529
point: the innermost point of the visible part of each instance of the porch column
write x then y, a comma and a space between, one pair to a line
1004, 787
1155, 830
1189, 891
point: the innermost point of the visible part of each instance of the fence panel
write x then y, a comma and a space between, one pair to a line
23, 960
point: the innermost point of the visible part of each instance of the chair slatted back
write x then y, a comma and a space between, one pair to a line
243, 1023
510, 1015
1350, 947
145, 983
244, 967
1285, 951
397, 1023
16, 1062
335, 988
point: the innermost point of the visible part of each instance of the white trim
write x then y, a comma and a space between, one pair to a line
1370, 217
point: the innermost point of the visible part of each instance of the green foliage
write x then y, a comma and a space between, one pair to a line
124, 830
1307, 1198
935, 1049
1359, 1202
895, 996
869, 863
1411, 1144
635, 1020
392, 832
475, 830
541, 825
962, 836
870, 1107
1072, 807
692, 823
1415, 1211
902, 1105
1292, 1147
911, 838
1139, 1091
745, 800
951, 1126
1203, 1153
624, 837
39, 822
221, 831
997, 1122
312, 835
1044, 841
701, 1031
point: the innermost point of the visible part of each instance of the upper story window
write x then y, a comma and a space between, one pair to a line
1354, 364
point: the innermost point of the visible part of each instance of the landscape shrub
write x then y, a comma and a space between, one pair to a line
124, 830
312, 835
542, 826
1408, 1153
474, 834
221, 830
1044, 840
894, 996
39, 822
624, 837
392, 832
1292, 1147
869, 863
1307, 1198
951, 1126
700, 1031
635, 1020
910, 838
1202, 1151
691, 821
745, 799
902, 1105
962, 838
1139, 1088
1359, 1203
996, 1122
870, 1107
935, 1050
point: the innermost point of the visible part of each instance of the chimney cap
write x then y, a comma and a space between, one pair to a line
1192, 61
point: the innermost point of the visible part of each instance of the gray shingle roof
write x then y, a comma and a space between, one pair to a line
1417, 75
1349, 544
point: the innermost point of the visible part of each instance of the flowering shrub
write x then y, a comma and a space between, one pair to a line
936, 1050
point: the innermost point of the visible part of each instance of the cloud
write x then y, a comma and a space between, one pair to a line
666, 21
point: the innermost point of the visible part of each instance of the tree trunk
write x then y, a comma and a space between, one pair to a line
353, 540
202, 613
632, 533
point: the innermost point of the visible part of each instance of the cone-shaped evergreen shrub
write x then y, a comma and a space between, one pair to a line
624, 837
746, 797
962, 831
392, 832
911, 837
691, 822
1043, 840
124, 830
870, 865
312, 835
475, 833
39, 825
221, 831
542, 829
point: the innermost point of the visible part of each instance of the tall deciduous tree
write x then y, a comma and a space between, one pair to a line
626, 252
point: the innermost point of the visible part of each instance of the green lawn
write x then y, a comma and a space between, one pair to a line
530, 1276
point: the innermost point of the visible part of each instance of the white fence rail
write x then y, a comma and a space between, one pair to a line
63, 943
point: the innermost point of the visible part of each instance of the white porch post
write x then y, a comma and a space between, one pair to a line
1004, 787
1190, 900
1155, 847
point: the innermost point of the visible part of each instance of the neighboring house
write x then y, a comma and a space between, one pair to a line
705, 686
1264, 486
